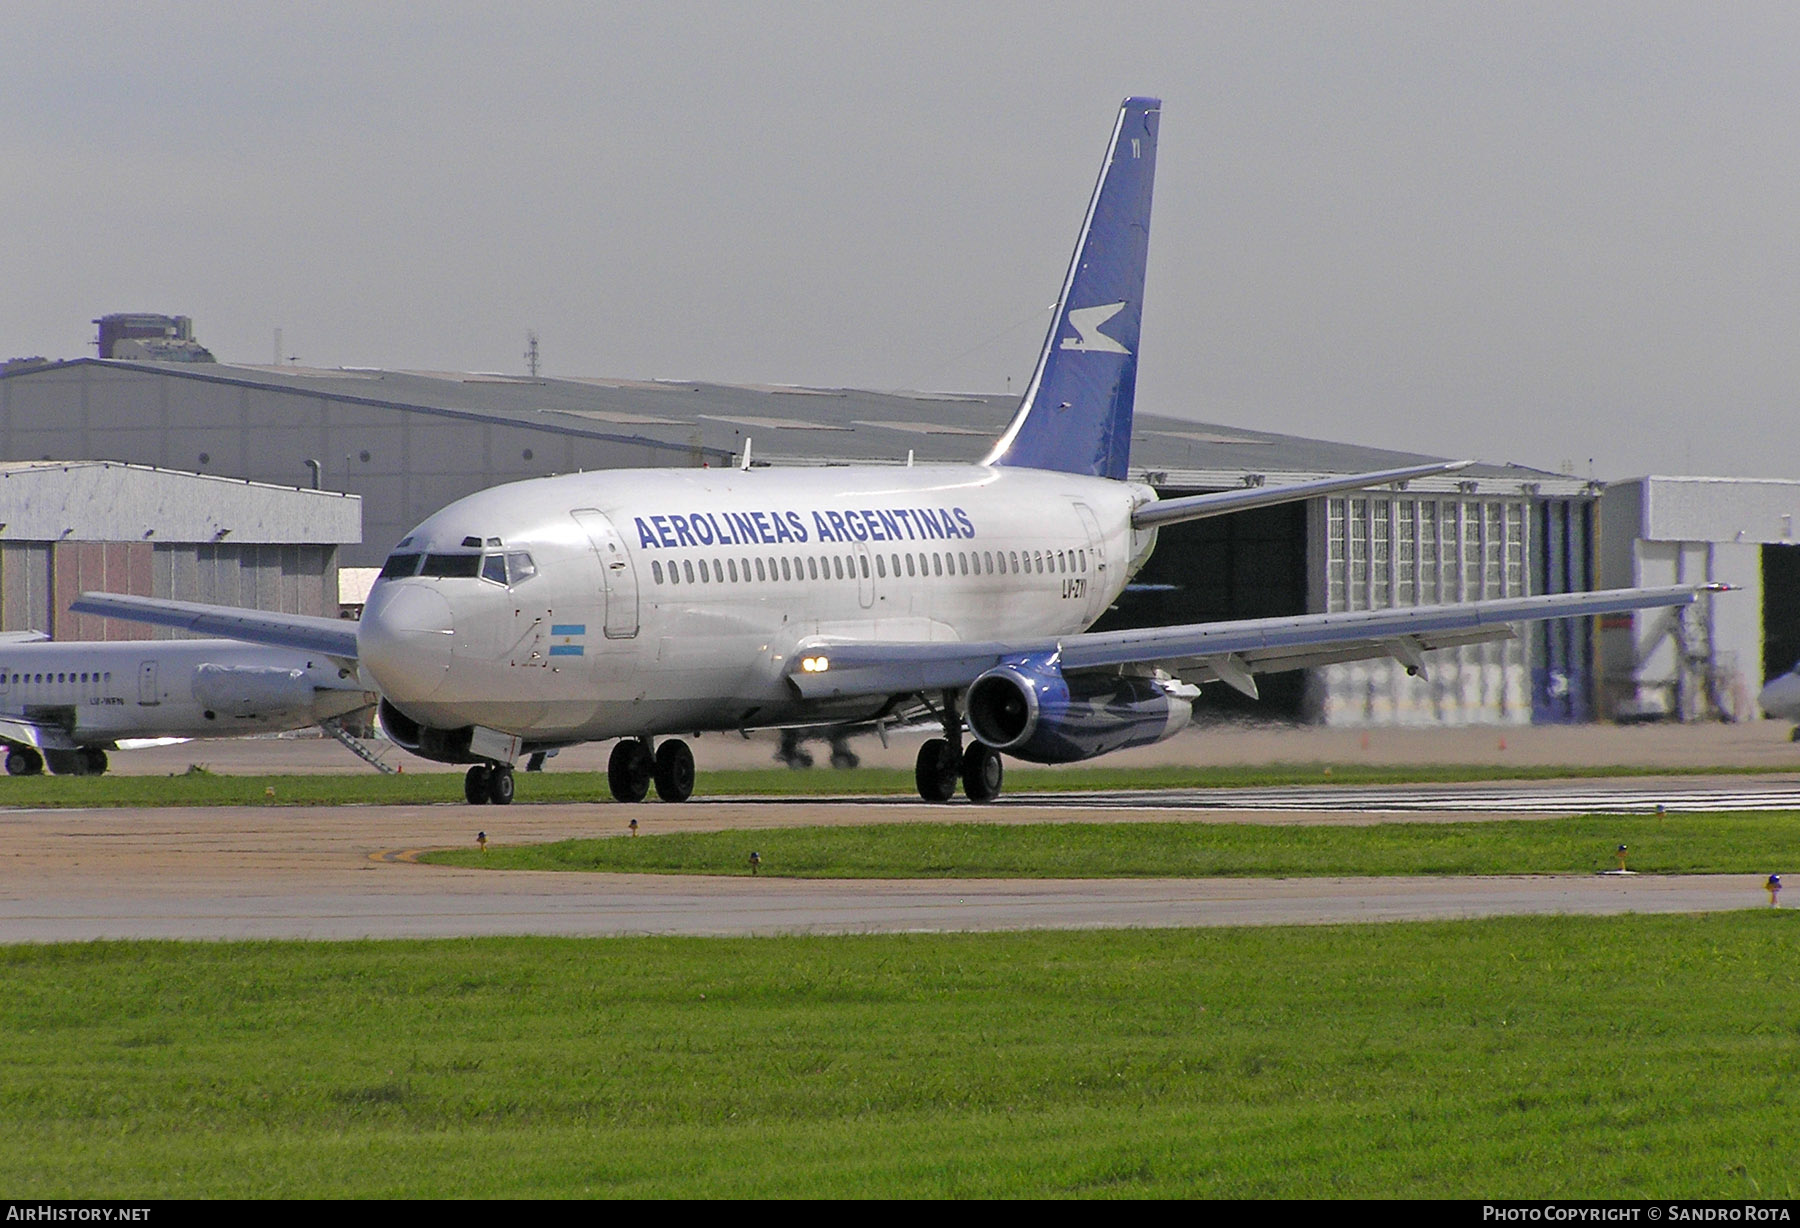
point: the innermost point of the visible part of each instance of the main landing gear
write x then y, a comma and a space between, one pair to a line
943, 762
633, 769
795, 755
83, 761
488, 782
23, 761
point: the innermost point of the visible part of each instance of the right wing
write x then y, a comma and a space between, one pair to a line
335, 637
1231, 652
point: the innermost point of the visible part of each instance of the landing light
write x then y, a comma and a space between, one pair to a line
815, 665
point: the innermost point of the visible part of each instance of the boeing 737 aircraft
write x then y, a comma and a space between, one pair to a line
68, 702
635, 604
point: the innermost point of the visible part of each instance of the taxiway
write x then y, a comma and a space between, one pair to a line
347, 872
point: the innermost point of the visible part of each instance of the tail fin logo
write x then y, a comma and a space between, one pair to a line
1087, 322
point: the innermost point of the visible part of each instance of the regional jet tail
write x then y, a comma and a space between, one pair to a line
636, 604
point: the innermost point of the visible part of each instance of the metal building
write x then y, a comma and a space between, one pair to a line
1709, 663
410, 442
66, 527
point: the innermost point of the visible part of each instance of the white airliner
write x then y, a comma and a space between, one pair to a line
66, 703
1780, 698
641, 603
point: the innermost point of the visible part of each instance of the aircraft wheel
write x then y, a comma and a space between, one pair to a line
790, 752
674, 771
844, 757
628, 771
93, 761
500, 786
1795, 736
65, 762
475, 785
24, 761
981, 773
935, 772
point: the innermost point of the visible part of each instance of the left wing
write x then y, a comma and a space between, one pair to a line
335, 637
1231, 652
21, 732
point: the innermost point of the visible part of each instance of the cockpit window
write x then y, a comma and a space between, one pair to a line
513, 568
399, 565
452, 566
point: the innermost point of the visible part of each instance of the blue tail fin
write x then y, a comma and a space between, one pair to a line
1076, 413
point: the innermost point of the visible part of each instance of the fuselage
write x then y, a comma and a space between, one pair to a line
100, 692
1780, 697
635, 602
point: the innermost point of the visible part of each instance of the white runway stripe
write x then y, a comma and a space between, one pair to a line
1583, 797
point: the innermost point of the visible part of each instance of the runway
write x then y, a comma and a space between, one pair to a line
344, 872
1672, 795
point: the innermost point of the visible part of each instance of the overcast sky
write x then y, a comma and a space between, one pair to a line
1548, 233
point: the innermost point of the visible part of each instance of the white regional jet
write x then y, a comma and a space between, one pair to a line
1780, 698
66, 703
639, 603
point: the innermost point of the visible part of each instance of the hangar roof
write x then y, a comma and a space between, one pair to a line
787, 424
109, 501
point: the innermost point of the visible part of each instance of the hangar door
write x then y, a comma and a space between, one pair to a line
1245, 565
1781, 609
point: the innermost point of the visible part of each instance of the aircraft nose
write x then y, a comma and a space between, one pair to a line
404, 638
1781, 698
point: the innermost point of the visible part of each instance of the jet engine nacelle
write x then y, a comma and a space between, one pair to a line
442, 745
241, 690
1030, 710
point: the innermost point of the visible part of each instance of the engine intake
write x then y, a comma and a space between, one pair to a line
1031, 710
441, 745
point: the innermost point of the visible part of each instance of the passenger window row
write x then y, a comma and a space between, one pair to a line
39, 679
849, 566
728, 571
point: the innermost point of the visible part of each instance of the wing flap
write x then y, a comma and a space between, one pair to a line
1203, 669
334, 637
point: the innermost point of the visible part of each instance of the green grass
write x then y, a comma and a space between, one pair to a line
202, 788
1628, 1057
1760, 842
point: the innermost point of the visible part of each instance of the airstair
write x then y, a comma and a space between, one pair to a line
356, 746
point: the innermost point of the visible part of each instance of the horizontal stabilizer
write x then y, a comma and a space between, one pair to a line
1198, 507
335, 637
